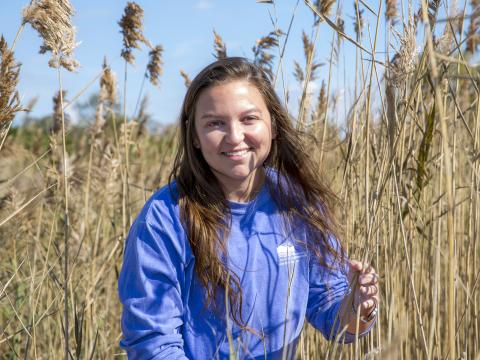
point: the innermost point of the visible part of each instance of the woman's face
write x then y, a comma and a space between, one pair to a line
233, 131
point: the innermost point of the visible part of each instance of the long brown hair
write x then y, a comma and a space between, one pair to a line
300, 193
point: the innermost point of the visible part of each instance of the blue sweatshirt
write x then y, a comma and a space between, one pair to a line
163, 300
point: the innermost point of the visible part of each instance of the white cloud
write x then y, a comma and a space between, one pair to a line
204, 4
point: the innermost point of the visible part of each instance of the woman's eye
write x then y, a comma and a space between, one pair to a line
250, 118
214, 123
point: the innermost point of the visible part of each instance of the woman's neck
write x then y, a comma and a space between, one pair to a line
246, 190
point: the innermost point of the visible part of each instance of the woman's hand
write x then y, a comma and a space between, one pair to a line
366, 294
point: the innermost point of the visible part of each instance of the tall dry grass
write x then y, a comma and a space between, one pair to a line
405, 166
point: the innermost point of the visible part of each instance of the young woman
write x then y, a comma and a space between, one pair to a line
240, 247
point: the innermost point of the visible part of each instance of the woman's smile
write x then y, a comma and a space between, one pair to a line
236, 154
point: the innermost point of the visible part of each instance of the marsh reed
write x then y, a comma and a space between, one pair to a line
405, 164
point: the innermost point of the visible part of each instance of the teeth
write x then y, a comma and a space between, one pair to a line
242, 152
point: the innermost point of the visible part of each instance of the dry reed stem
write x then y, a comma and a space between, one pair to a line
404, 223
448, 189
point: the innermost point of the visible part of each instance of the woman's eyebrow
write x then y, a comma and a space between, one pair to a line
210, 115
251, 110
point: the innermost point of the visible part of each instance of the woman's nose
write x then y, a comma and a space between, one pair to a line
234, 134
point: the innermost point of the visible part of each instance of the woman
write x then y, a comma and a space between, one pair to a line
240, 247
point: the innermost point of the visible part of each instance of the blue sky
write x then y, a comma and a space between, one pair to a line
185, 30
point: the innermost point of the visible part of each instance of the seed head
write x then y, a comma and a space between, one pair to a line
358, 22
52, 20
308, 49
298, 73
261, 57
154, 67
108, 84
391, 13
341, 25
404, 61
185, 78
132, 29
322, 100
473, 36
9, 99
219, 46
57, 112
107, 97
324, 7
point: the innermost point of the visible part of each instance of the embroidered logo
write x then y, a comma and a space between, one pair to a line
288, 254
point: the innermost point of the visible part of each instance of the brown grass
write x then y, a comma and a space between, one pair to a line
406, 169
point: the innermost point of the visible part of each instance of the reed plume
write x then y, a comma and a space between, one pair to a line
142, 118
219, 46
322, 101
154, 67
186, 78
9, 99
298, 72
324, 7
473, 36
262, 58
358, 20
308, 49
107, 96
108, 84
31, 104
341, 25
433, 6
405, 59
52, 20
391, 12
131, 25
57, 113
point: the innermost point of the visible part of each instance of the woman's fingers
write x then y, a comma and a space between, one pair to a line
366, 287
368, 290
368, 279
367, 305
356, 265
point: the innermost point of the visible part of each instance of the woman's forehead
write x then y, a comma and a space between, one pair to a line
232, 95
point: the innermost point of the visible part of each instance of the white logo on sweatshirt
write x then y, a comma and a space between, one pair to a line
288, 254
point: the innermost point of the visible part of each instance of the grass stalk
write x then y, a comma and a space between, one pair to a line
66, 220
449, 188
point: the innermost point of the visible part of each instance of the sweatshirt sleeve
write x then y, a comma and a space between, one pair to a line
328, 288
150, 289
